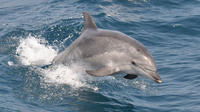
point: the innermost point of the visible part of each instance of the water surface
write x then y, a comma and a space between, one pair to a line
33, 32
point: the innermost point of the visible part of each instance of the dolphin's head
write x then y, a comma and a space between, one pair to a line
142, 63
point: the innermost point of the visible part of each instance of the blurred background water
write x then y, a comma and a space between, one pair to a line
33, 32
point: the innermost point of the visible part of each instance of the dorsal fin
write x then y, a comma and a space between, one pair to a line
89, 23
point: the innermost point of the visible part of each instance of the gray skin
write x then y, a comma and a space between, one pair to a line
106, 52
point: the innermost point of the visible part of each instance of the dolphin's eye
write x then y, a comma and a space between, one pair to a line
133, 62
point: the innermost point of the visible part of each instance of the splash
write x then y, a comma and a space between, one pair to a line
61, 74
146, 86
35, 51
10, 63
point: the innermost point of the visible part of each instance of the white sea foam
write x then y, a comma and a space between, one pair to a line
61, 74
10, 63
33, 51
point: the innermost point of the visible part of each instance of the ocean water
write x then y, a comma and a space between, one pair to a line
33, 32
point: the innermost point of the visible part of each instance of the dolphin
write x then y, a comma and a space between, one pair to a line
106, 52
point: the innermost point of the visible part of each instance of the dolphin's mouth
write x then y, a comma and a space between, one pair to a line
157, 78
159, 81
152, 74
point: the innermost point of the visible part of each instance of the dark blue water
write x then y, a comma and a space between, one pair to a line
32, 33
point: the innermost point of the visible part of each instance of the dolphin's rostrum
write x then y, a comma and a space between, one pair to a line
106, 52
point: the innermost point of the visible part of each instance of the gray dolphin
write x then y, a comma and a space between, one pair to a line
106, 52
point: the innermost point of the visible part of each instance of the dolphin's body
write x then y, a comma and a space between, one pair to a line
106, 52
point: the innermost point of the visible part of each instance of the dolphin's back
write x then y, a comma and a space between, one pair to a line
93, 42
100, 41
96, 42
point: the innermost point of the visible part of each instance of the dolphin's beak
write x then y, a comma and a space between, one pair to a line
151, 72
159, 81
156, 78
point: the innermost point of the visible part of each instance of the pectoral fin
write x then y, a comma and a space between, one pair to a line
130, 76
102, 72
